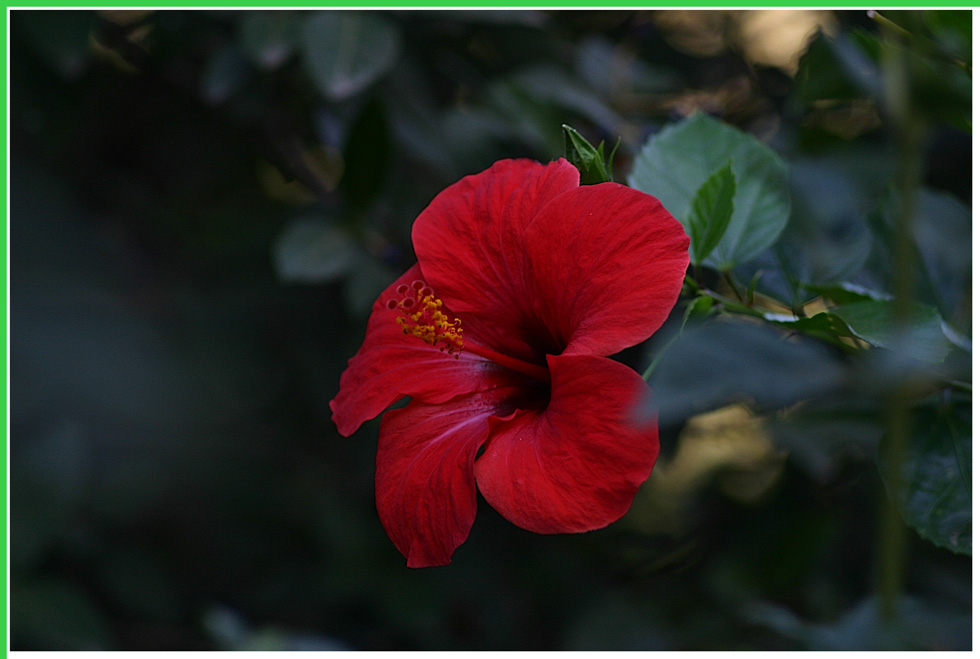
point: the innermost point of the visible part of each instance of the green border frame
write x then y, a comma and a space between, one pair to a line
310, 4
6, 340
490, 4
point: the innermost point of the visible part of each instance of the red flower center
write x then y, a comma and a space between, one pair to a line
424, 318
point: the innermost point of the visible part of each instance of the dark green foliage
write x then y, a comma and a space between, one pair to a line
935, 492
205, 204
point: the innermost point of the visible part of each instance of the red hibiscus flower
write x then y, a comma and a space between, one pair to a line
500, 334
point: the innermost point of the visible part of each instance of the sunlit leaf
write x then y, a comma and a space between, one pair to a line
667, 169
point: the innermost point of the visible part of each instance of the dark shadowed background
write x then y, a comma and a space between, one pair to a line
203, 206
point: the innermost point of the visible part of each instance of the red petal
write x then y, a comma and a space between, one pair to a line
470, 244
390, 365
425, 487
608, 263
576, 465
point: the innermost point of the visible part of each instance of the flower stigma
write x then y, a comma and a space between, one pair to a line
422, 317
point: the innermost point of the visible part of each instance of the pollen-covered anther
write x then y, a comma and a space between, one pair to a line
422, 317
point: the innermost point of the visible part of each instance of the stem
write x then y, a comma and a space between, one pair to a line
892, 534
888, 25
731, 284
965, 387
732, 305
794, 283
898, 33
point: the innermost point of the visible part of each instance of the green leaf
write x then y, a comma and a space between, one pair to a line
942, 91
674, 164
846, 293
823, 325
934, 497
725, 361
868, 317
822, 435
269, 37
874, 322
590, 161
827, 238
952, 31
711, 212
346, 51
942, 232
698, 307
314, 252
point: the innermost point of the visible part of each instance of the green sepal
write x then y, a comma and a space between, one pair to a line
590, 161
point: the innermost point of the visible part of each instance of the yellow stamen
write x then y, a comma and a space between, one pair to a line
428, 323
422, 317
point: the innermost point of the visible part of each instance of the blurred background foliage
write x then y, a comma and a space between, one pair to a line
204, 204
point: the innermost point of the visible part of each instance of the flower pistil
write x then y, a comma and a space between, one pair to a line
423, 317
